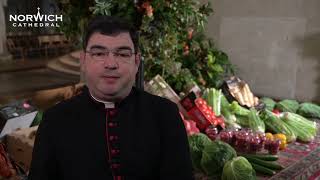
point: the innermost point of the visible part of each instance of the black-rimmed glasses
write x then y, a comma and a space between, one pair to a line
123, 55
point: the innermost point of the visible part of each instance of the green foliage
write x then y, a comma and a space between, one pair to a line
75, 16
172, 39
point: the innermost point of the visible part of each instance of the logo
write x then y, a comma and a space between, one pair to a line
35, 20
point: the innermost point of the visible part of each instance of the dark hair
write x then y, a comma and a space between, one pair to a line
109, 25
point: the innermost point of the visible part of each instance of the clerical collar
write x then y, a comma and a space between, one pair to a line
107, 104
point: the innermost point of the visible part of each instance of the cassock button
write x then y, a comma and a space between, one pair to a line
115, 152
110, 124
115, 166
113, 112
113, 138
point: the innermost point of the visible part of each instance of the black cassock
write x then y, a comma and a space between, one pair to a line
71, 141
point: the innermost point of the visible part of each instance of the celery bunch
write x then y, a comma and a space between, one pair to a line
277, 125
305, 129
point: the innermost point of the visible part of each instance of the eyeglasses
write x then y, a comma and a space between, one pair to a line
123, 55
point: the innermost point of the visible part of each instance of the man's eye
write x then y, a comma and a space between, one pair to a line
98, 54
123, 54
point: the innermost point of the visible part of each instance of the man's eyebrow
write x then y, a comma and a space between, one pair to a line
98, 47
123, 47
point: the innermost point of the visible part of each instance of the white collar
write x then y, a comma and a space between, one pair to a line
107, 104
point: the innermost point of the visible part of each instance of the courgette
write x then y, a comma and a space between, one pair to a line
265, 157
263, 170
268, 164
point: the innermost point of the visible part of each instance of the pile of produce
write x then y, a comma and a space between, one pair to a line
290, 118
255, 134
217, 159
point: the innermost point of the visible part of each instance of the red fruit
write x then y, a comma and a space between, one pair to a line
212, 132
204, 108
208, 116
206, 112
276, 111
215, 123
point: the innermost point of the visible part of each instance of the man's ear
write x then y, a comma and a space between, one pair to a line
137, 59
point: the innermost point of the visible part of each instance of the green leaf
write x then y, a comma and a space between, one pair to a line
217, 68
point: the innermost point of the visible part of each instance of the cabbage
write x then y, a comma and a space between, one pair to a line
309, 110
214, 156
238, 168
196, 144
288, 105
270, 103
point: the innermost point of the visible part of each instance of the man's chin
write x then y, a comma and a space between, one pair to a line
109, 92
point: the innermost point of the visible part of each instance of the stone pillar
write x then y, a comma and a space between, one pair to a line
4, 55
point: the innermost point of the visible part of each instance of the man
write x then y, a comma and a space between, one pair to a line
111, 131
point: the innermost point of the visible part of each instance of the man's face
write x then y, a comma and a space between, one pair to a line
110, 76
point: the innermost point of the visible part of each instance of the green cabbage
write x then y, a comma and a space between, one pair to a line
238, 168
196, 144
214, 156
270, 103
288, 105
309, 110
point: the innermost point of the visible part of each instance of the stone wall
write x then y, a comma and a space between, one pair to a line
275, 44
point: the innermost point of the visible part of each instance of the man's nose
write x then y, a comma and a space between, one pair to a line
110, 62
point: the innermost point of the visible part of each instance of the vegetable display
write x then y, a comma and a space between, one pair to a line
214, 153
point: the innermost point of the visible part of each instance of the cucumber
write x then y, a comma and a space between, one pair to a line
263, 170
268, 164
265, 157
